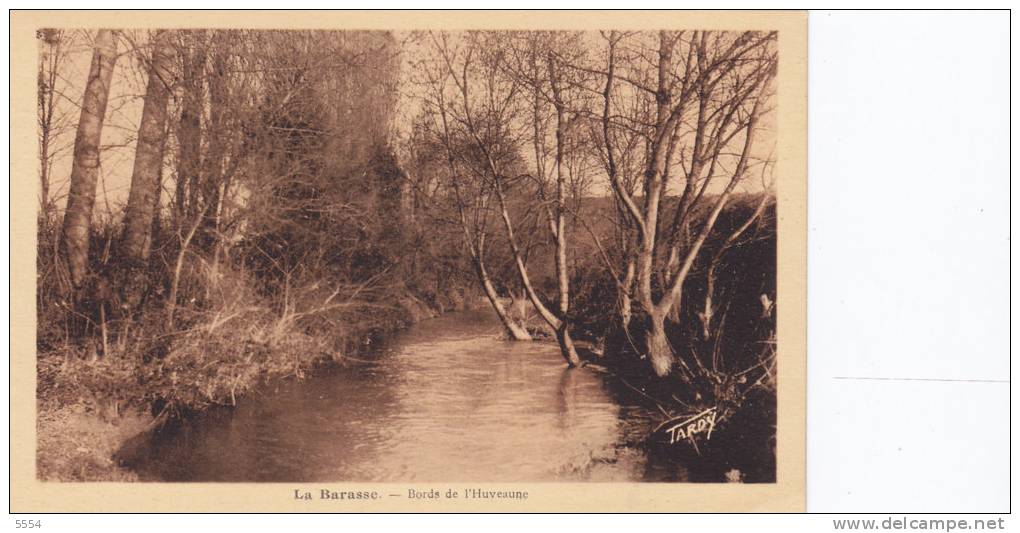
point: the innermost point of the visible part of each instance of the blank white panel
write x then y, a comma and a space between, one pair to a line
908, 261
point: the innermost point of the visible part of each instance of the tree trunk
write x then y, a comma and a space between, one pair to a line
560, 233
157, 223
514, 330
46, 79
213, 173
706, 314
189, 130
555, 323
145, 178
85, 166
522, 269
567, 348
626, 310
660, 353
672, 264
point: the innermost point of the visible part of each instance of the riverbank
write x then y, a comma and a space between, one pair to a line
89, 406
448, 399
75, 444
741, 445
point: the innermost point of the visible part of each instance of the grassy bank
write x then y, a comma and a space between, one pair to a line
105, 375
89, 407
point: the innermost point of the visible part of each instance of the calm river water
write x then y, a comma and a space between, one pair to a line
445, 400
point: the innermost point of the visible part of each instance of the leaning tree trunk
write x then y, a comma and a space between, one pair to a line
85, 166
558, 325
475, 239
513, 329
145, 178
567, 348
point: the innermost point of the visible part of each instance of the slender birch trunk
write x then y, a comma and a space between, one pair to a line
560, 234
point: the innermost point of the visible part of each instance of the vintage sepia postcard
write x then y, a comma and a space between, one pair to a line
408, 261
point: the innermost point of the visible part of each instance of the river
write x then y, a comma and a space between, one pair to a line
445, 400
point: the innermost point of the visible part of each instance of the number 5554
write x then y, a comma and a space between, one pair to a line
27, 524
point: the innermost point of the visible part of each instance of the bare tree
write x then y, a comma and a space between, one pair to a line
85, 166
193, 52
537, 62
145, 178
473, 209
706, 88
53, 56
472, 198
489, 121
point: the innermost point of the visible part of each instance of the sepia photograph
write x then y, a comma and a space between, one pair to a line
344, 258
549, 265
